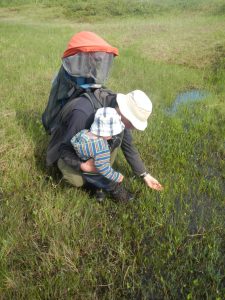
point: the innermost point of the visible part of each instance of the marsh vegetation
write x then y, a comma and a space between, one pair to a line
56, 242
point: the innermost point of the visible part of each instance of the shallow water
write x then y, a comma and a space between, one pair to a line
188, 97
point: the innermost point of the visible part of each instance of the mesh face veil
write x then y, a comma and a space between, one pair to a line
89, 56
94, 65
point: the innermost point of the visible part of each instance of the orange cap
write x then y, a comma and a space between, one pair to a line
86, 41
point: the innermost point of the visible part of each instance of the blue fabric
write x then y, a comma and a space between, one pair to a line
83, 82
87, 85
99, 181
80, 80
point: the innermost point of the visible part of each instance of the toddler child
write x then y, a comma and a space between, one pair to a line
93, 144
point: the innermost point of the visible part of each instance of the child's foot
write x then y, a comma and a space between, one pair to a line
120, 194
100, 195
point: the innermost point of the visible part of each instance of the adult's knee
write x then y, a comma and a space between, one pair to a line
70, 175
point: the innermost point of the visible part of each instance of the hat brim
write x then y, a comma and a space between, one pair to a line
105, 133
124, 107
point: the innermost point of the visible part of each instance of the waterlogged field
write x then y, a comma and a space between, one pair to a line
56, 242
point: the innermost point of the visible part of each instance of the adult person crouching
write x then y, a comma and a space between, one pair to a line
134, 109
77, 92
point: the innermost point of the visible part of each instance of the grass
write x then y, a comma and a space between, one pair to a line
56, 241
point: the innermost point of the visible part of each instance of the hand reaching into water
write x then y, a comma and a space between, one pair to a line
153, 183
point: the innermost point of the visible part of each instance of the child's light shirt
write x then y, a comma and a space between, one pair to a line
88, 146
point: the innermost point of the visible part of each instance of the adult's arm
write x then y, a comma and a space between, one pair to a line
136, 163
131, 154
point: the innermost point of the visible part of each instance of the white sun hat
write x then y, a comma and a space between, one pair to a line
136, 107
107, 122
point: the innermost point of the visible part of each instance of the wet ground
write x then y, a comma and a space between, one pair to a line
186, 97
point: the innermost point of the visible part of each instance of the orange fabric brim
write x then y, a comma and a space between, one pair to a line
87, 41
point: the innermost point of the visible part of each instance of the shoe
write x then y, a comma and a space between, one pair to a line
120, 194
100, 195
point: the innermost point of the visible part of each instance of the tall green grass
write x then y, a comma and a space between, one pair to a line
95, 9
56, 241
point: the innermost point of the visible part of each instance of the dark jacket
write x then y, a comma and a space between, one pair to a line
81, 116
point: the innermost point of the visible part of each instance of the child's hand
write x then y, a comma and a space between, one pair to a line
121, 178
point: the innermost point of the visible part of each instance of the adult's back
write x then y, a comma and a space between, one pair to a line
76, 115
